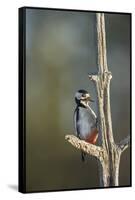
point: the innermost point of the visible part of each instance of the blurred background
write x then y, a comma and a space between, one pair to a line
61, 50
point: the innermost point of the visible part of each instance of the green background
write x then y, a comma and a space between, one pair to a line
61, 50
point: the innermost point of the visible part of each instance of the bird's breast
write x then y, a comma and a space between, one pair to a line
85, 123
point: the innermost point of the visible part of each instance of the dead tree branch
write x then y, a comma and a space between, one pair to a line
108, 153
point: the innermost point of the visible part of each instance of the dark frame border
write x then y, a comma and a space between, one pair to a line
22, 99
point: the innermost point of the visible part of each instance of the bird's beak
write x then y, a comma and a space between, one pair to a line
89, 98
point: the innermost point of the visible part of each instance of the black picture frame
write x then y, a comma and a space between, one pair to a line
22, 98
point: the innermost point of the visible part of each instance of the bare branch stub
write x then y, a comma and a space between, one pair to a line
124, 144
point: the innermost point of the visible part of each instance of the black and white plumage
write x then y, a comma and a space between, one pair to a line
85, 119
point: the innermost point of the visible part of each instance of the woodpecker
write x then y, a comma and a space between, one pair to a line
85, 119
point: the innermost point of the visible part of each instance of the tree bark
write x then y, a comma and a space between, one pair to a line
108, 153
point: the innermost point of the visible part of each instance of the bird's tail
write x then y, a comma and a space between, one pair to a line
83, 156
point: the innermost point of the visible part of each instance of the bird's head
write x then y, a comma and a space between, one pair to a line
82, 98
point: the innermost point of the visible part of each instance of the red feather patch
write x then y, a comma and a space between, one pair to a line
93, 137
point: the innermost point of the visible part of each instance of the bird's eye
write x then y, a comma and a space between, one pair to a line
83, 95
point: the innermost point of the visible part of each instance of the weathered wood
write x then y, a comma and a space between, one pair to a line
124, 144
88, 148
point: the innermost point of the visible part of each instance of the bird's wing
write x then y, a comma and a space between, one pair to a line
75, 121
76, 115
